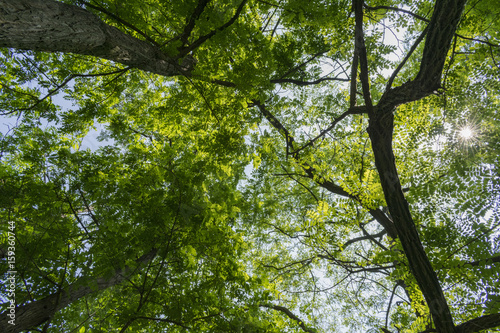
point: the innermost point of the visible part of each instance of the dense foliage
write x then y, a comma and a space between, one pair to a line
235, 186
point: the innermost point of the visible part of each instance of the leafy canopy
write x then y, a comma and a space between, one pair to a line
244, 193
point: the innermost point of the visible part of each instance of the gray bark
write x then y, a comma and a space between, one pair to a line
36, 313
51, 26
442, 27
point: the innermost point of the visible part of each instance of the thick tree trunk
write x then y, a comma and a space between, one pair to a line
51, 26
441, 30
36, 313
380, 130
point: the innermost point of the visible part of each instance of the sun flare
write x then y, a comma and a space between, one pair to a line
466, 133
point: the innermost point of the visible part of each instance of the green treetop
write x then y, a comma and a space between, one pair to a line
266, 166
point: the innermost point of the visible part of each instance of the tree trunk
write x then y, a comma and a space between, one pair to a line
380, 130
51, 26
442, 27
36, 313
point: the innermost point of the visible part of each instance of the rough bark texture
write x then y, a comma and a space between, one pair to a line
442, 27
381, 136
479, 324
36, 313
51, 26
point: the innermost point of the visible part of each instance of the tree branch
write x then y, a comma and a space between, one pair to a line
290, 315
410, 52
53, 26
202, 39
362, 238
190, 22
352, 110
120, 20
36, 313
397, 10
68, 79
363, 60
480, 323
309, 83
377, 214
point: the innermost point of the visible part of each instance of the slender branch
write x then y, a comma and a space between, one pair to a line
397, 10
372, 238
363, 60
308, 83
473, 240
296, 68
486, 261
290, 315
120, 20
192, 20
165, 320
389, 305
71, 77
478, 40
377, 214
351, 111
308, 190
304, 262
204, 38
410, 52
362, 238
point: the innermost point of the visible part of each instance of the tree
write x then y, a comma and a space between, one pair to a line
363, 197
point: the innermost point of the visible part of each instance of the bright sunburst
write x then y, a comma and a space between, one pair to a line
466, 133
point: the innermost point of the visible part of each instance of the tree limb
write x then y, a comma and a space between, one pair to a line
53, 26
442, 27
309, 83
362, 238
480, 324
36, 313
202, 39
363, 60
290, 315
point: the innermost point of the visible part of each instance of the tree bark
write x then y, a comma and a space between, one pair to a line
380, 130
442, 27
51, 26
36, 313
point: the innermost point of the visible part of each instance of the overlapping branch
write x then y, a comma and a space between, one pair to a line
204, 38
290, 315
330, 186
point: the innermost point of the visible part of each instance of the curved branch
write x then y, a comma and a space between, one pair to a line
397, 10
389, 305
410, 52
204, 38
362, 238
192, 20
68, 79
120, 20
352, 110
290, 315
377, 214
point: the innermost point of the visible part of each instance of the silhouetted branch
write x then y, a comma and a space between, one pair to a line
289, 315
